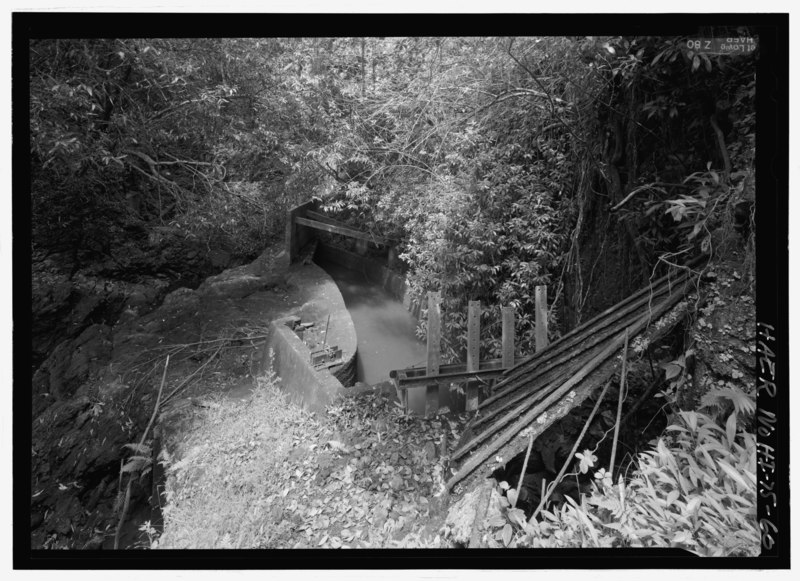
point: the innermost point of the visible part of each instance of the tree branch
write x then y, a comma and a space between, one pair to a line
544, 90
723, 150
636, 191
577, 443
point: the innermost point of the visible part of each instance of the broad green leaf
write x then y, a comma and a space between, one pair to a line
672, 497
517, 516
507, 532
730, 428
512, 496
730, 471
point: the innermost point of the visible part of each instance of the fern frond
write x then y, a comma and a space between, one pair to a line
742, 403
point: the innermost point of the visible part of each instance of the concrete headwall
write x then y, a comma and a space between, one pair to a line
290, 360
319, 301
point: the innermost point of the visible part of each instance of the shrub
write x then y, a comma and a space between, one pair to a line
695, 490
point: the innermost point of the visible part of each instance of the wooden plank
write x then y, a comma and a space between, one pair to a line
311, 214
630, 303
473, 351
473, 335
526, 419
557, 374
514, 428
508, 336
340, 230
434, 350
482, 375
434, 332
542, 376
551, 373
597, 379
402, 395
415, 376
582, 333
291, 239
541, 317
554, 357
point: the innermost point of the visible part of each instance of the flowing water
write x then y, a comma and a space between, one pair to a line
385, 330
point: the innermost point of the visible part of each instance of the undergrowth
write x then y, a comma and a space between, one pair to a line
216, 493
696, 490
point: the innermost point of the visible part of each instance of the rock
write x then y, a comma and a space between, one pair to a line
67, 509
36, 520
85, 307
97, 494
136, 299
219, 258
468, 513
58, 524
232, 285
61, 307
51, 295
111, 387
271, 264
180, 298
71, 362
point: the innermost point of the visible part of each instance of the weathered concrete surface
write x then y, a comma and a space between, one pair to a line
290, 357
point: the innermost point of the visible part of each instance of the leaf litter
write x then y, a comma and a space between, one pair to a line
266, 474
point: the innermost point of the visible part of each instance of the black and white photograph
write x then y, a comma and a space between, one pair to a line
491, 291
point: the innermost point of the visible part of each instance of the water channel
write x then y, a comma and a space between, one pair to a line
385, 331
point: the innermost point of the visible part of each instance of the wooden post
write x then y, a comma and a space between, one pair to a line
291, 241
434, 350
293, 233
473, 351
541, 317
508, 337
402, 394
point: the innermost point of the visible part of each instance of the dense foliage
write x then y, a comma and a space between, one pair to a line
587, 164
496, 164
694, 489
128, 136
500, 164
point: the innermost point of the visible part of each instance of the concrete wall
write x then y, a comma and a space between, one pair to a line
313, 389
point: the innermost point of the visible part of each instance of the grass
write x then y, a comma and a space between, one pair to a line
231, 462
